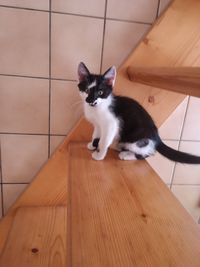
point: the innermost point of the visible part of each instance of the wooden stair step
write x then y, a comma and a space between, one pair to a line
50, 186
122, 214
37, 238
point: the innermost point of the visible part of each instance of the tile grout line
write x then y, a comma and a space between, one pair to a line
158, 8
40, 134
103, 37
24, 8
49, 130
75, 14
96, 17
36, 77
23, 76
173, 173
62, 79
130, 21
179, 142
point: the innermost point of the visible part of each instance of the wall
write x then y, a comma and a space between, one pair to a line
41, 44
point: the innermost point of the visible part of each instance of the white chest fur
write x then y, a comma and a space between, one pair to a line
102, 118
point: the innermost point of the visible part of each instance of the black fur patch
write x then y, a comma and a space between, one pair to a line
95, 142
140, 157
135, 123
142, 143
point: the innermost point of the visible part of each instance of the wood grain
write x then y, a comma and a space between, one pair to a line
184, 80
51, 184
37, 239
122, 214
173, 41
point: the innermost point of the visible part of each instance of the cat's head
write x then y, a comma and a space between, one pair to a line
95, 89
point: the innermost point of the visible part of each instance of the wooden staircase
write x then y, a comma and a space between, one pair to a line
79, 212
119, 214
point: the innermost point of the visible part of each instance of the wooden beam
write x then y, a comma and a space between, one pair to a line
122, 214
184, 80
38, 238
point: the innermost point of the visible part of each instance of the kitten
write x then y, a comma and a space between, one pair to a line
120, 122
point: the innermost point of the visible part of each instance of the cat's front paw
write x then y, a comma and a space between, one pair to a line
94, 144
98, 155
90, 146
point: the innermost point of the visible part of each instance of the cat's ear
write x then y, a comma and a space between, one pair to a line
110, 76
83, 72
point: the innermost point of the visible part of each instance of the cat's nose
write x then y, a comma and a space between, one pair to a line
91, 101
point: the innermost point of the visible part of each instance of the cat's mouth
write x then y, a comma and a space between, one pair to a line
93, 104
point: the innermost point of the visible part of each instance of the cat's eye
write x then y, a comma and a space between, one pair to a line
100, 92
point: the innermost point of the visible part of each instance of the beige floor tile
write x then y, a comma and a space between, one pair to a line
24, 105
120, 39
138, 10
189, 196
22, 157
42, 4
86, 7
75, 39
24, 42
191, 129
162, 166
55, 141
163, 5
10, 193
171, 128
188, 173
66, 106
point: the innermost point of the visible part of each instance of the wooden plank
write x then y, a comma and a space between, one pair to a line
174, 41
51, 184
184, 80
122, 214
37, 239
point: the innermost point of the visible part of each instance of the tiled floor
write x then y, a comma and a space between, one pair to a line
42, 43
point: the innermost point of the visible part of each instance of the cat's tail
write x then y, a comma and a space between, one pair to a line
176, 155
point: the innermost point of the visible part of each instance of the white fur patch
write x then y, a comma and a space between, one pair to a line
106, 125
147, 150
93, 84
127, 155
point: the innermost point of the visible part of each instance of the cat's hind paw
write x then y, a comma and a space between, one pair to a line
127, 155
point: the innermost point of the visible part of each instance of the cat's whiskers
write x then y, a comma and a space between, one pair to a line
76, 104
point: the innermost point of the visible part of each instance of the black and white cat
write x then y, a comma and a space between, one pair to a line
120, 122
